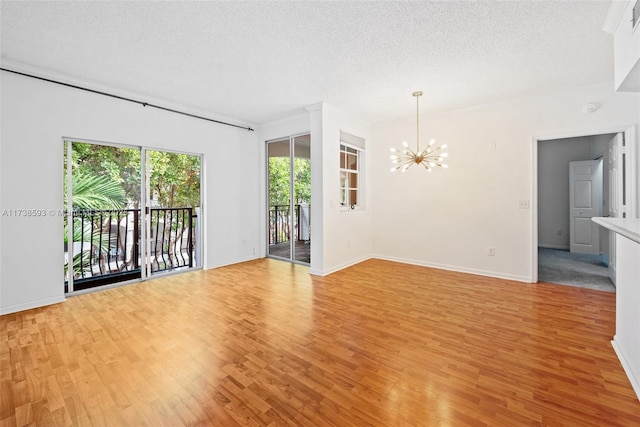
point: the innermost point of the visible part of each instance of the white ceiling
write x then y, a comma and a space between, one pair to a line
257, 61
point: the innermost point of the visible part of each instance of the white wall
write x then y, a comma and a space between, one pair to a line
553, 187
448, 218
36, 115
626, 341
347, 233
340, 237
626, 48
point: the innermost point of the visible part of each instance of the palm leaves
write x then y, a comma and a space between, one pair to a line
95, 192
90, 193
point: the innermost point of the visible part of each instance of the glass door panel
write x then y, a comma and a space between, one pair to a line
105, 195
289, 197
173, 202
302, 198
101, 198
279, 198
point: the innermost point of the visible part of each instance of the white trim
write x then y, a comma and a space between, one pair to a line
314, 107
635, 382
239, 261
352, 140
614, 15
633, 209
31, 305
125, 145
560, 247
477, 272
534, 213
68, 145
145, 213
353, 147
339, 267
570, 134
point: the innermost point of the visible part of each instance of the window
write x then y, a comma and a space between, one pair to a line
351, 167
349, 171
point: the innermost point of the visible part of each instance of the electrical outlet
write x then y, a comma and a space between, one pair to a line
524, 204
559, 232
254, 251
491, 251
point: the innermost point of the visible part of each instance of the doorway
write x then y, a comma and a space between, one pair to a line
552, 217
289, 198
131, 213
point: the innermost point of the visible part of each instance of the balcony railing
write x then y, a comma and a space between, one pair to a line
107, 247
280, 220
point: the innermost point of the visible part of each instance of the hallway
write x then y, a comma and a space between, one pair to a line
566, 268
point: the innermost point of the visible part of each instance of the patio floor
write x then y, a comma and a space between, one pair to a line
283, 250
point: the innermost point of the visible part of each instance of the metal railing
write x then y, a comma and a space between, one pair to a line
279, 224
106, 247
172, 238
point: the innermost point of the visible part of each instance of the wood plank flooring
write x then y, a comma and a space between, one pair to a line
264, 343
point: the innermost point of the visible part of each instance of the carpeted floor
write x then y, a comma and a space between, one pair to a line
563, 267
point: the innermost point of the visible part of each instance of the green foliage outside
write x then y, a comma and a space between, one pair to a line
90, 192
279, 181
108, 178
95, 192
174, 181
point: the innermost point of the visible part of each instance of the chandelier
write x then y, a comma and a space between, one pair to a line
430, 157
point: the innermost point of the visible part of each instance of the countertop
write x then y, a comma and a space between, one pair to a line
627, 227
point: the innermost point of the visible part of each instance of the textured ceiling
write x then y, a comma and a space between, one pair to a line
257, 61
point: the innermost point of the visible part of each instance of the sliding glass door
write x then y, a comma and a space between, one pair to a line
173, 203
122, 224
289, 197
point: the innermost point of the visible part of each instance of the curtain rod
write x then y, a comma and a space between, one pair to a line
124, 98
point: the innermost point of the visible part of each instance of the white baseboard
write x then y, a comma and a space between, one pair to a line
325, 272
635, 381
338, 267
31, 304
458, 269
231, 262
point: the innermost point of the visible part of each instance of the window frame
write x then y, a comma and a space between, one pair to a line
345, 185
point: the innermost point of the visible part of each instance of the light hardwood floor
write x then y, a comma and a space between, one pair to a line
265, 343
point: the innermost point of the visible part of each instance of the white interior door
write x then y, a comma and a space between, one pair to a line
585, 198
